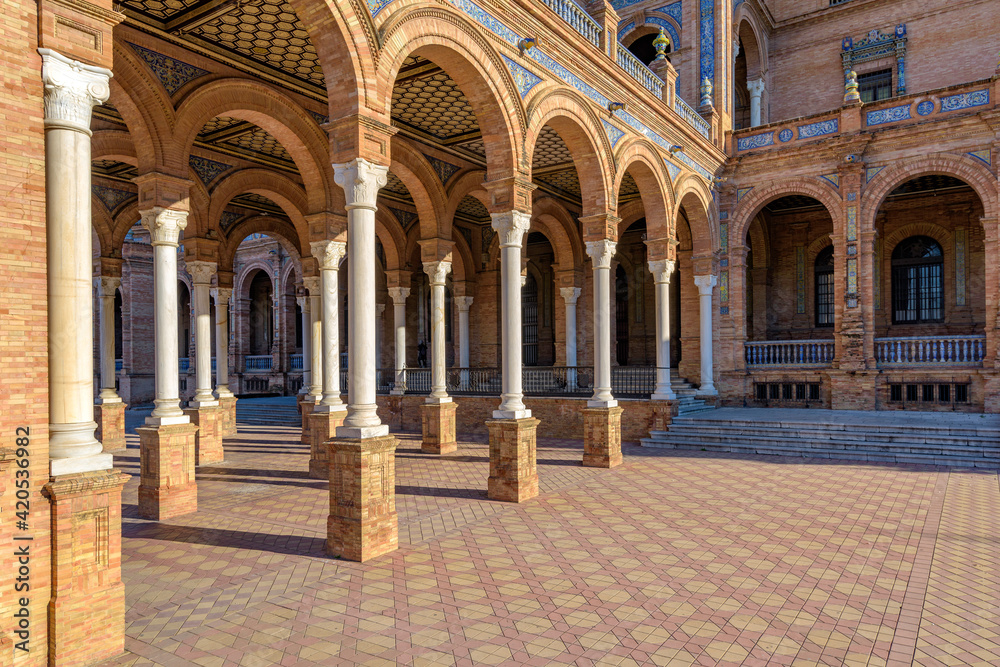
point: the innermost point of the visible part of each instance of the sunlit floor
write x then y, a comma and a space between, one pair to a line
672, 558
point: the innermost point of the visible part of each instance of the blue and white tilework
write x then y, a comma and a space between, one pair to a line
208, 170
318, 117
524, 79
375, 6
819, 129
833, 179
925, 108
786, 135
614, 134
852, 196
755, 141
976, 98
626, 29
112, 198
707, 40
890, 115
673, 10
675, 40
983, 156
872, 172
742, 192
672, 169
170, 72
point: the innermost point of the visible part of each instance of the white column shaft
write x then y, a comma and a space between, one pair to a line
437, 271
107, 287
601, 253
203, 346
165, 334
756, 88
331, 338
316, 344
399, 295
510, 286
306, 323
705, 285
222, 343
463, 338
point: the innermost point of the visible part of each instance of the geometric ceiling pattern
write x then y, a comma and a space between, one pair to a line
396, 189
550, 150
929, 183
792, 202
257, 202
245, 140
472, 210
428, 102
114, 170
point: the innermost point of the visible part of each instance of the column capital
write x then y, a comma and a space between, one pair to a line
398, 295
328, 254
72, 89
705, 283
164, 225
662, 269
463, 303
437, 271
379, 309
221, 294
107, 285
311, 283
303, 302
201, 272
511, 226
601, 252
756, 86
570, 294
361, 181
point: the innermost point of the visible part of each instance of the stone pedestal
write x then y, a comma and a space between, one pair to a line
306, 406
207, 440
663, 414
362, 523
439, 428
322, 429
110, 418
167, 487
227, 416
602, 437
513, 470
87, 609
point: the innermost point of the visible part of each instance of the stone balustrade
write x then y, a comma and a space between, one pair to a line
930, 350
774, 353
577, 19
640, 72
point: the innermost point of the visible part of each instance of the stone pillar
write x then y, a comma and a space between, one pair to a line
306, 400
109, 409
313, 285
513, 467
398, 295
330, 412
662, 271
464, 303
438, 410
167, 441
705, 286
756, 88
602, 426
379, 331
570, 295
87, 605
362, 522
227, 402
203, 409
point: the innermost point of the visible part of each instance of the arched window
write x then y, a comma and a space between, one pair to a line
621, 316
529, 321
823, 270
917, 281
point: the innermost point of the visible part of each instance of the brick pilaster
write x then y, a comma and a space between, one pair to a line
513, 466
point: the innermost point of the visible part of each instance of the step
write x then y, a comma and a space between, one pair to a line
806, 432
976, 447
899, 426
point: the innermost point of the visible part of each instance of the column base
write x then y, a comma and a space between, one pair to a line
362, 523
227, 416
87, 608
513, 467
110, 418
306, 406
602, 437
322, 429
207, 440
167, 487
438, 428
663, 414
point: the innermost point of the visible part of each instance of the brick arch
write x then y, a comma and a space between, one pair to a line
973, 173
629, 213
470, 183
103, 226
653, 28
935, 231
416, 173
642, 160
463, 267
294, 266
390, 233
452, 42
277, 187
278, 229
816, 247
272, 111
242, 281
113, 145
552, 219
753, 37
573, 120
145, 107
122, 223
696, 200
760, 241
757, 199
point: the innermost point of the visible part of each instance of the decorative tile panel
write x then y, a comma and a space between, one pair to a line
755, 141
961, 243
404, 217
673, 10
318, 117
707, 41
890, 115
375, 6
786, 135
925, 108
983, 156
723, 236
976, 98
724, 286
672, 169
208, 170
819, 129
523, 78
872, 172
742, 192
626, 29
228, 219
833, 179
112, 198
852, 223
614, 134
444, 170
851, 196
800, 279
852, 276
173, 74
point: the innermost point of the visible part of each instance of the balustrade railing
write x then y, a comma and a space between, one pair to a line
295, 362
692, 117
119, 365
632, 381
789, 353
577, 19
184, 364
626, 381
260, 362
929, 350
638, 71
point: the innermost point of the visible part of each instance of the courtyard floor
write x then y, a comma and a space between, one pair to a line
673, 558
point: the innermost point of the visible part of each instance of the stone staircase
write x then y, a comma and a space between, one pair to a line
280, 411
968, 440
686, 392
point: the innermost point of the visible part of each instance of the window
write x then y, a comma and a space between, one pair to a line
529, 321
621, 316
875, 86
823, 269
917, 281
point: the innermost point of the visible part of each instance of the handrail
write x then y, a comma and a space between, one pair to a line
692, 117
924, 350
259, 362
635, 67
577, 18
789, 352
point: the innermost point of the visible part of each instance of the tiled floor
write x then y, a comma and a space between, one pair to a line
674, 558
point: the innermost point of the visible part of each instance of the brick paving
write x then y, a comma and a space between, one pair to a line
673, 558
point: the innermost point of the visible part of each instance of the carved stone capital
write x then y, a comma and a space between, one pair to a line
463, 303
511, 226
705, 283
662, 269
311, 283
601, 253
437, 271
399, 294
72, 89
361, 181
107, 286
756, 87
201, 272
164, 225
329, 254
379, 310
570, 294
222, 295
303, 302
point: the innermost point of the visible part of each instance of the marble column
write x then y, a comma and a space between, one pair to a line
362, 523
439, 411
464, 303
602, 446
705, 286
227, 402
315, 333
756, 89
662, 270
398, 296
306, 324
570, 295
330, 412
109, 409
379, 329
203, 409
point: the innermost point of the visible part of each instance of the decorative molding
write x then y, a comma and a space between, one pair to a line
208, 170
328, 254
819, 128
71, 90
601, 252
444, 170
614, 134
511, 226
890, 115
164, 224
201, 272
172, 74
524, 79
361, 181
965, 100
874, 45
112, 198
755, 141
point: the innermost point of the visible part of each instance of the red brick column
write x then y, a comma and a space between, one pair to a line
663, 414
110, 418
227, 416
306, 404
991, 363
438, 428
87, 609
362, 523
322, 429
602, 437
207, 439
167, 454
513, 472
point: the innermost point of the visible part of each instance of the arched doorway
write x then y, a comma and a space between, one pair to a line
260, 320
